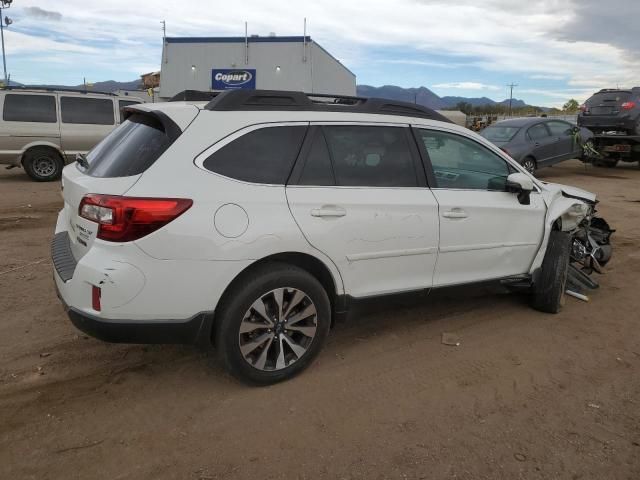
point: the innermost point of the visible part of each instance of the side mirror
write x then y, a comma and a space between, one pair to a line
575, 130
521, 184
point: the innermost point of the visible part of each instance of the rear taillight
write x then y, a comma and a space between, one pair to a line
628, 105
124, 219
583, 108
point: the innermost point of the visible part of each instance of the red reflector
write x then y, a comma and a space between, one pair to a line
95, 298
628, 105
124, 219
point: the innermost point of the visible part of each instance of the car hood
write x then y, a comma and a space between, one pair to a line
570, 191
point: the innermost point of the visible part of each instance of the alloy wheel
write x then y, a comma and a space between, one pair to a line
529, 165
278, 329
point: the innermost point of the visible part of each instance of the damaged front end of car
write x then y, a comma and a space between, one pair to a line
591, 245
590, 250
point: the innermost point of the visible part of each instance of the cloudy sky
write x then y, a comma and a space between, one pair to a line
553, 49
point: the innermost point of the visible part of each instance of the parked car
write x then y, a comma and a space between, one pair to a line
613, 116
251, 222
43, 129
537, 142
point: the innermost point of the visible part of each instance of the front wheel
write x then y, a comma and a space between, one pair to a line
272, 325
529, 165
549, 289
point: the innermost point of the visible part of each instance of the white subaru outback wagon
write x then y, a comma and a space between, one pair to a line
250, 222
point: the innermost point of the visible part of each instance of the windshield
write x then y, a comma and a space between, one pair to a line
129, 149
499, 134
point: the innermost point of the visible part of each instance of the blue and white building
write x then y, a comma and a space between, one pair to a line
273, 63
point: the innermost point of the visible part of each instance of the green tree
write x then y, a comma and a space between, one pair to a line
571, 106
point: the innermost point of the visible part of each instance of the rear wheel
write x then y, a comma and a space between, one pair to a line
607, 163
529, 164
549, 289
43, 164
273, 324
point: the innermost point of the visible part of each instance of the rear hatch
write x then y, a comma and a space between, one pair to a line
610, 109
111, 168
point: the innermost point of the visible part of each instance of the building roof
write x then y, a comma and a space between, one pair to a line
256, 39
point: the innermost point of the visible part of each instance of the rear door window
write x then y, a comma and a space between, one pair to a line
538, 132
371, 156
265, 155
559, 129
317, 167
88, 111
129, 149
29, 108
125, 103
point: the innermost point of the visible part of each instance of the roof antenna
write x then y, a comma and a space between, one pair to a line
304, 42
246, 44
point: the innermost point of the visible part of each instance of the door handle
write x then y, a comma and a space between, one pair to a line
455, 213
536, 144
328, 211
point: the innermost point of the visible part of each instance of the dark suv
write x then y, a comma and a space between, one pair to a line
611, 109
613, 115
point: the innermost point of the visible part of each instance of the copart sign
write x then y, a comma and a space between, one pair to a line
230, 79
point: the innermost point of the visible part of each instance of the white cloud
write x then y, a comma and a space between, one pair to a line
547, 77
468, 86
488, 36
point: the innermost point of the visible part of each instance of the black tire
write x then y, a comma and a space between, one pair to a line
530, 165
238, 301
549, 289
606, 163
43, 164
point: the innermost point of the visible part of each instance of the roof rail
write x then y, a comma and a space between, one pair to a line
55, 89
193, 96
265, 100
613, 90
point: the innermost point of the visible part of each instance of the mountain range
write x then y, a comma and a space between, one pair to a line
424, 96
421, 95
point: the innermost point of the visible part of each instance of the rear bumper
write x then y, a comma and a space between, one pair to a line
196, 330
602, 122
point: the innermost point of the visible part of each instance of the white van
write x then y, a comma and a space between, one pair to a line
43, 129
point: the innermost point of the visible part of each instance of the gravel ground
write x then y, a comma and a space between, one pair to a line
524, 395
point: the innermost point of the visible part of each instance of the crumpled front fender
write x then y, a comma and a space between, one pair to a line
565, 212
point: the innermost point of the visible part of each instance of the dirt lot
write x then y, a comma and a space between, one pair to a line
525, 395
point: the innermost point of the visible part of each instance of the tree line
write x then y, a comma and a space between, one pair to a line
570, 107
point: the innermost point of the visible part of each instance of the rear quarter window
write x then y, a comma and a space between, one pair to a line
265, 155
130, 149
88, 111
29, 108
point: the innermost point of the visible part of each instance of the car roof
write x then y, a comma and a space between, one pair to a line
523, 121
66, 91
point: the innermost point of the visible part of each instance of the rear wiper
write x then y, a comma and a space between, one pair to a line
82, 160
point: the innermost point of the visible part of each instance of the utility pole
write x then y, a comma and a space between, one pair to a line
511, 87
4, 4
